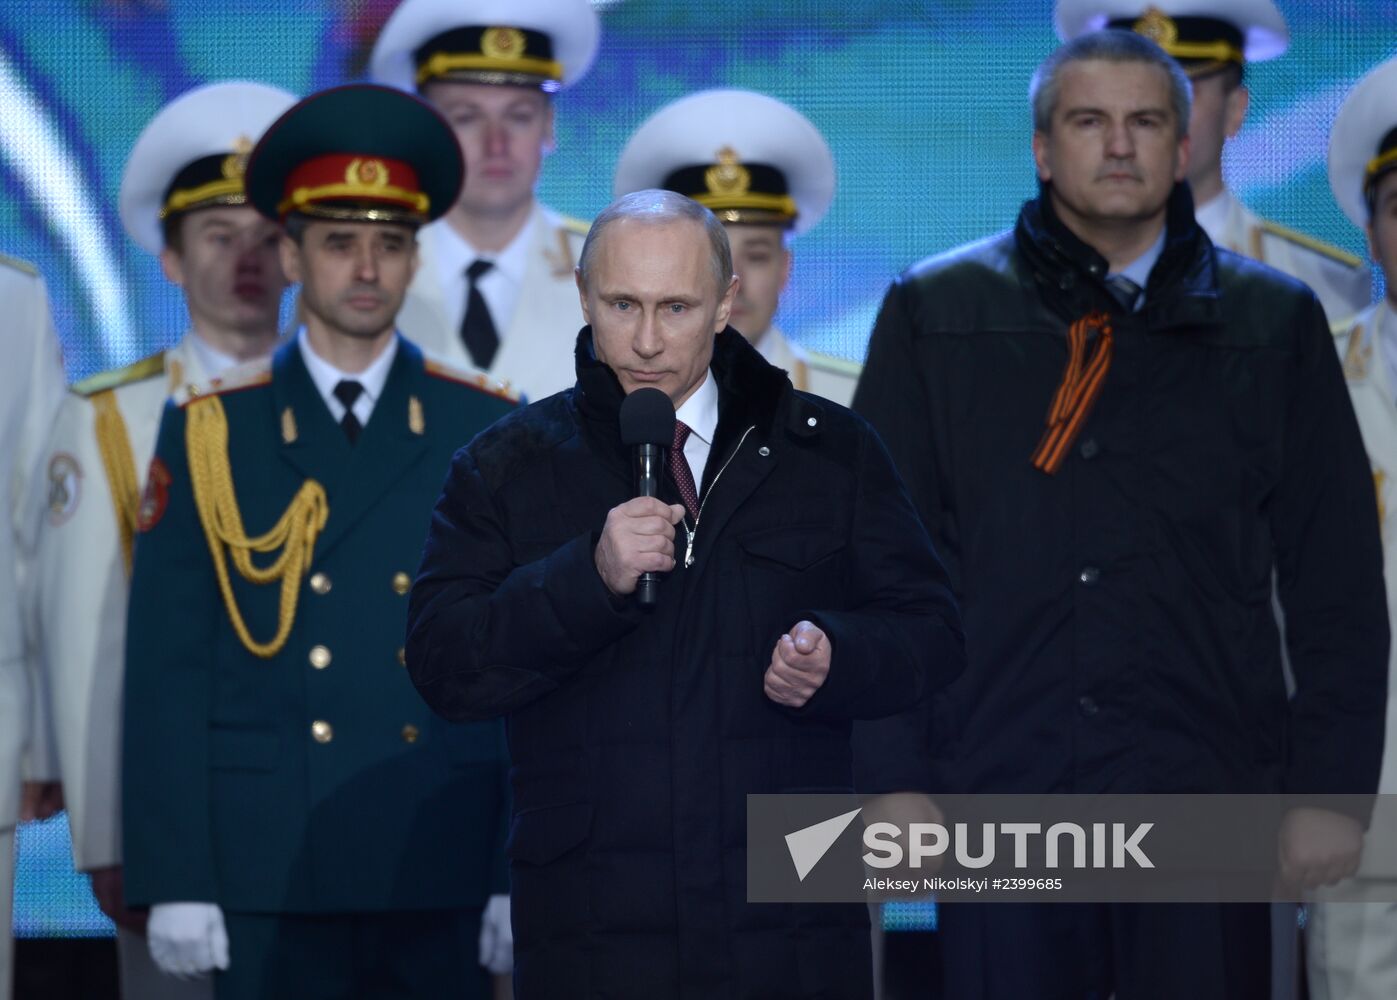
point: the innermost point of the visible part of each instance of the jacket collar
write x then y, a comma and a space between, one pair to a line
1070, 274
751, 393
315, 445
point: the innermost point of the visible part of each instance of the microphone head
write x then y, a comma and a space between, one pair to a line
647, 417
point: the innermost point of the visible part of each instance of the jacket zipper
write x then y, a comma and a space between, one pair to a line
691, 533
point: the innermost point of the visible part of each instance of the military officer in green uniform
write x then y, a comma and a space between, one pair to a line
294, 816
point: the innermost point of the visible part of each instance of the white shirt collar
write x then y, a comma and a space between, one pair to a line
700, 410
326, 376
455, 253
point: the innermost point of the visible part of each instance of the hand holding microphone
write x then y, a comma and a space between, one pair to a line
637, 543
638, 539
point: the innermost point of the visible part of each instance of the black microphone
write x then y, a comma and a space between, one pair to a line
647, 426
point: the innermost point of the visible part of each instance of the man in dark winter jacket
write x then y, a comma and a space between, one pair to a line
1117, 434
807, 595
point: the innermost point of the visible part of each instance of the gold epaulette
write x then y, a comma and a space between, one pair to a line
833, 365
578, 226
137, 371
23, 266
474, 380
248, 376
1310, 243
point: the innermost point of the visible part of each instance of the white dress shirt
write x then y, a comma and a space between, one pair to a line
500, 285
326, 376
700, 412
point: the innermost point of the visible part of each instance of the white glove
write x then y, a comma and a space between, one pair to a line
187, 940
497, 937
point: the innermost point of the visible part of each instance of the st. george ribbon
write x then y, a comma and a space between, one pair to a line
647, 427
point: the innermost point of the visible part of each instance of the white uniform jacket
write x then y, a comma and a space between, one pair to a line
96, 468
31, 389
1343, 282
535, 357
1360, 349
832, 378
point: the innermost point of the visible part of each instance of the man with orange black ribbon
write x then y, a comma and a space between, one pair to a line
1215, 41
293, 815
1117, 433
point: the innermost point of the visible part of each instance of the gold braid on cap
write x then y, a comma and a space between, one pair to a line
1380, 163
226, 190
206, 438
1161, 29
114, 445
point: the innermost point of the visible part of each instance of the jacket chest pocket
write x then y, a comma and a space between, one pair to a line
788, 570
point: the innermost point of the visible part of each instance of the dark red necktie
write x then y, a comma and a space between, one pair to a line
679, 469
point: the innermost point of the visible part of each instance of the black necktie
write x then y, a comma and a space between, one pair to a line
347, 391
477, 328
1127, 292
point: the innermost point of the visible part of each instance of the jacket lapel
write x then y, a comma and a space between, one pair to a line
392, 442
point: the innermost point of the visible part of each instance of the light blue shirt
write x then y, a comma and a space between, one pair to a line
1138, 270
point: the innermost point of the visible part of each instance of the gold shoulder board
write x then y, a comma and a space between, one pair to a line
1310, 243
137, 371
22, 266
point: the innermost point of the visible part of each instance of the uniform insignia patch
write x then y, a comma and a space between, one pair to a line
416, 422
156, 496
559, 259
65, 487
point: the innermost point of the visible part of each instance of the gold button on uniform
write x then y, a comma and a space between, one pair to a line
320, 583
319, 657
402, 657
410, 733
402, 583
321, 731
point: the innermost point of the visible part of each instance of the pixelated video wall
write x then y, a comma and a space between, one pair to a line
924, 105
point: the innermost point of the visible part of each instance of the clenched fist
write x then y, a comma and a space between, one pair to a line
799, 665
638, 538
1319, 847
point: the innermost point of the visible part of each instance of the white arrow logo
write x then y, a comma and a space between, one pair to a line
809, 845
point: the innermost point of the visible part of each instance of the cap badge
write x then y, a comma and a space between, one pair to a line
235, 163
727, 177
367, 173
1158, 27
502, 43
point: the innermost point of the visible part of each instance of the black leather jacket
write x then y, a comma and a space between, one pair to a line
1118, 617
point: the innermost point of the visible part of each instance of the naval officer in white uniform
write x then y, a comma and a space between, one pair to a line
182, 200
494, 290
31, 388
1352, 947
767, 173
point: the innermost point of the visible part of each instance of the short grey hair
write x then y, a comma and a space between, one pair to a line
658, 207
1114, 45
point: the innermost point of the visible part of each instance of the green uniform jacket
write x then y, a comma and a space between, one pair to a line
316, 780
